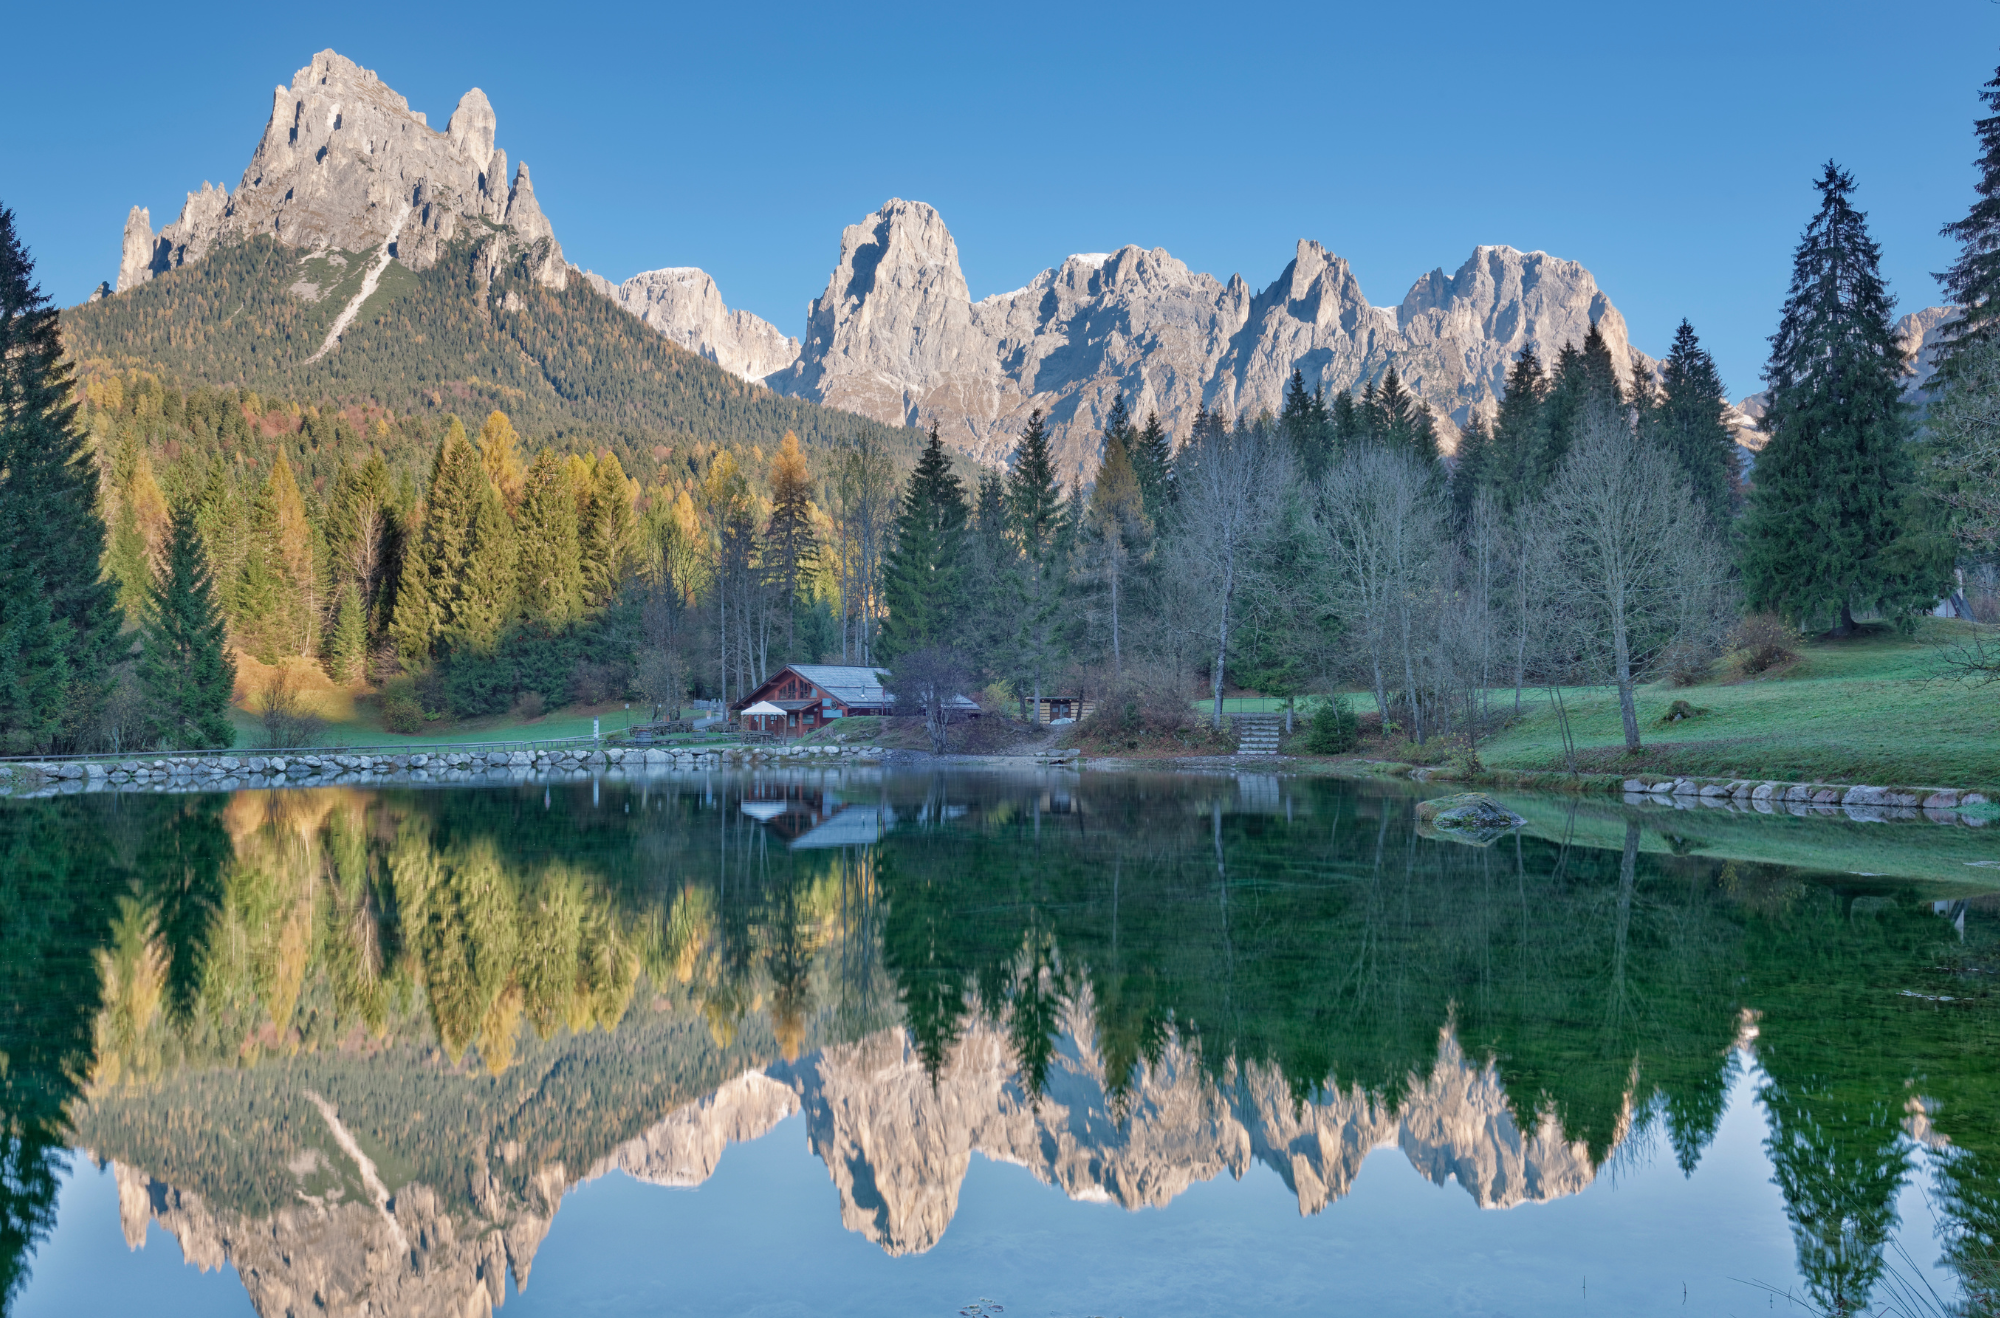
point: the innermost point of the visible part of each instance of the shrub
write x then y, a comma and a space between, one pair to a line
594, 683
1765, 640
286, 719
1687, 663
401, 711
529, 705
1333, 729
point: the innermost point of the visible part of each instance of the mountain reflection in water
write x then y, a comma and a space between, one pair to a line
358, 1044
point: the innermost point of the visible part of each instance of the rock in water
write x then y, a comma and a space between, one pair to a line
1467, 817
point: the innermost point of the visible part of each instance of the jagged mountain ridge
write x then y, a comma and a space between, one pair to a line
895, 334
370, 259
877, 1120
684, 304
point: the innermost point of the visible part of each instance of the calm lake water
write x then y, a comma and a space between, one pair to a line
866, 1042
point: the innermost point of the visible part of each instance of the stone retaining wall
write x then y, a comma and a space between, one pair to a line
318, 769
1868, 804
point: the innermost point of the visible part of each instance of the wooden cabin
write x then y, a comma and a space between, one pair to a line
814, 695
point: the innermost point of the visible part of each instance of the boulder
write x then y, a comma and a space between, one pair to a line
1467, 817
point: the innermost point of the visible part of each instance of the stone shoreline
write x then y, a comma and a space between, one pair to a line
1942, 805
224, 773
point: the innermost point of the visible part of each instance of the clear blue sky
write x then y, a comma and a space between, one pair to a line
1669, 148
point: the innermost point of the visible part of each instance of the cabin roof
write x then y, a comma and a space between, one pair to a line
851, 685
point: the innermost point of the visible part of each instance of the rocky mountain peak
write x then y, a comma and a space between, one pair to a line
895, 336
684, 304
344, 163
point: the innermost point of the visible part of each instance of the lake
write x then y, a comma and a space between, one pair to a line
874, 1041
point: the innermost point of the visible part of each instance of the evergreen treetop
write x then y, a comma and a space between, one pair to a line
58, 615
1034, 495
185, 666
1973, 281
1828, 501
923, 577
1688, 419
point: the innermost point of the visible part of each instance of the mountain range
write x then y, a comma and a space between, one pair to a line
359, 184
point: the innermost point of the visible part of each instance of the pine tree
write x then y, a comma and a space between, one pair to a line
1153, 464
1471, 469
1115, 532
1973, 282
1347, 421
923, 579
185, 668
608, 531
549, 572
347, 651
1033, 494
1518, 431
138, 520
1304, 420
791, 546
1688, 420
1039, 518
360, 529
1563, 409
483, 604
499, 454
279, 597
1827, 506
224, 535
434, 566
58, 616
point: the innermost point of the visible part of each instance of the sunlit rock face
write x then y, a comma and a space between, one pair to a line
896, 336
342, 1258
684, 304
898, 1146
682, 1150
344, 163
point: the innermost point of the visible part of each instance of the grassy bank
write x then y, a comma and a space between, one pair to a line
1877, 708
1959, 857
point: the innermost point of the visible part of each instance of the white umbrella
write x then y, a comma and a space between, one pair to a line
762, 708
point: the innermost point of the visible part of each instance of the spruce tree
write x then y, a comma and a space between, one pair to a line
1153, 464
347, 650
923, 577
1034, 495
279, 596
1039, 516
791, 546
1828, 499
608, 531
224, 536
359, 529
435, 562
1471, 468
184, 667
1304, 419
483, 603
58, 615
499, 453
1518, 431
1345, 418
549, 572
1973, 282
1564, 406
1688, 421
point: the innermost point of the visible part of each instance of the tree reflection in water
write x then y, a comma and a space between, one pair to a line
501, 990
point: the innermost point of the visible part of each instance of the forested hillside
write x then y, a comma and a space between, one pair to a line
569, 366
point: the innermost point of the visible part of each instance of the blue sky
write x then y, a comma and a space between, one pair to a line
1668, 148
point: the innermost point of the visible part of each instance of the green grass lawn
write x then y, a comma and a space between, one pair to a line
1877, 708
365, 728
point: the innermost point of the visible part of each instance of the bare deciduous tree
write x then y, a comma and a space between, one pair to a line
930, 683
1384, 518
1632, 563
1229, 484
